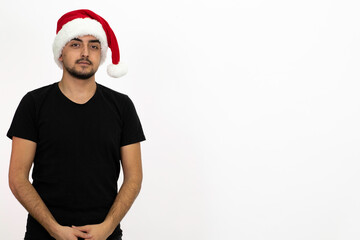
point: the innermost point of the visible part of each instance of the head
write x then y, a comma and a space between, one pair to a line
84, 27
81, 56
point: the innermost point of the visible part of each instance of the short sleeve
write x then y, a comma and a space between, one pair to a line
132, 131
23, 124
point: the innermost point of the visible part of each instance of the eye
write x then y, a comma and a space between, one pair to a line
74, 44
95, 47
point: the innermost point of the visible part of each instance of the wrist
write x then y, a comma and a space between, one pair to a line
54, 229
109, 225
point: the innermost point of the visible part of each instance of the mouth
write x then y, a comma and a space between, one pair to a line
85, 63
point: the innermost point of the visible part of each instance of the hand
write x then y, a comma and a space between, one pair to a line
97, 231
68, 233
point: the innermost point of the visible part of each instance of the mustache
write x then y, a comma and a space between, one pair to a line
84, 60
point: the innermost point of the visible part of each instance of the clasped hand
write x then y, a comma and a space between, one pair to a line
87, 232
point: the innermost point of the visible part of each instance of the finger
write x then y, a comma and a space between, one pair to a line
82, 228
82, 234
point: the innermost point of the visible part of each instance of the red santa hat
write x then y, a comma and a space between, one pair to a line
85, 22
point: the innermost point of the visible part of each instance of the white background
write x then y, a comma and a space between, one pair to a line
250, 110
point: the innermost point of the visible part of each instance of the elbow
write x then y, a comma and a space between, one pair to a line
140, 182
13, 186
139, 186
134, 184
15, 182
11, 182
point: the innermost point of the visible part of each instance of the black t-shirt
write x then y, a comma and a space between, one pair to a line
77, 159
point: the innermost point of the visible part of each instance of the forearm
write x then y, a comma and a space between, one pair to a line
27, 195
125, 198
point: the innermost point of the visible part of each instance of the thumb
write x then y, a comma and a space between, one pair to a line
82, 228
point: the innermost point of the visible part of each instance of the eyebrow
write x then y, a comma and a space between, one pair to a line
77, 39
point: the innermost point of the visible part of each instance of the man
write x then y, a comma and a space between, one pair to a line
76, 132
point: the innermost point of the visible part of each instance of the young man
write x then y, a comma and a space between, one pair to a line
76, 132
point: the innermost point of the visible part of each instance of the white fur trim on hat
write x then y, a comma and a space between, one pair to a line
76, 28
117, 70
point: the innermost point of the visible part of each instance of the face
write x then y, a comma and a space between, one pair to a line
81, 56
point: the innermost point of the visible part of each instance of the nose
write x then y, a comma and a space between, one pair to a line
85, 52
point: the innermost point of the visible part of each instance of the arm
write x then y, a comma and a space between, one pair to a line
132, 170
22, 157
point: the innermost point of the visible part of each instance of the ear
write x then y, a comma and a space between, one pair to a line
60, 58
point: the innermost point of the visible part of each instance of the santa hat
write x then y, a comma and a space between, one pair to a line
85, 22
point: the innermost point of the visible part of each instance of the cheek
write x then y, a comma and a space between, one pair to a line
98, 58
70, 56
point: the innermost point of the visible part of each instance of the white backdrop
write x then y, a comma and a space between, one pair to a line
250, 110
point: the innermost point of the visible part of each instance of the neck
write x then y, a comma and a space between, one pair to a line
77, 87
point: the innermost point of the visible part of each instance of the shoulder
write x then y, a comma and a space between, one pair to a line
118, 101
114, 97
35, 98
41, 92
111, 92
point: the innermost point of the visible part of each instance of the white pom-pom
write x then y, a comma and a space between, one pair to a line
117, 70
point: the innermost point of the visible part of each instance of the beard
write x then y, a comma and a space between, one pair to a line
78, 74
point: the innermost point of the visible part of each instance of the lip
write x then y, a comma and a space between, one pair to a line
84, 63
